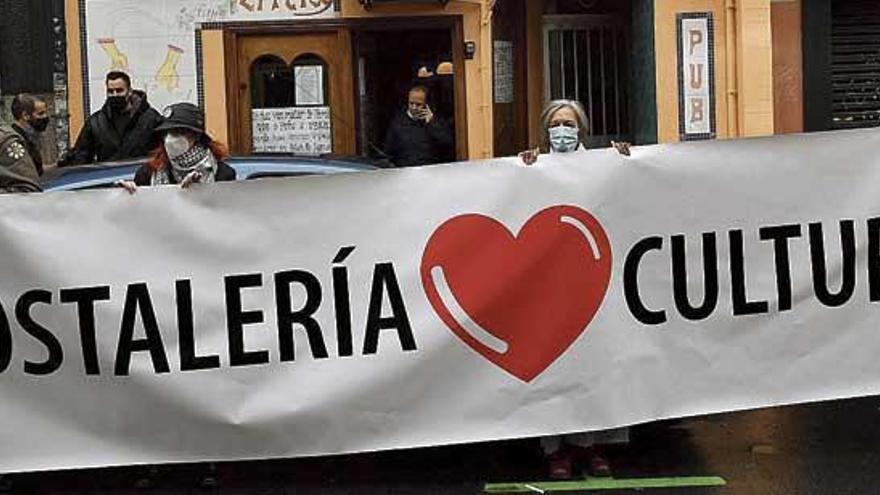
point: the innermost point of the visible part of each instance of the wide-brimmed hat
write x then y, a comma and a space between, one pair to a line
183, 116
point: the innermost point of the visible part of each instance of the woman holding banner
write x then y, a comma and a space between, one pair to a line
187, 155
566, 129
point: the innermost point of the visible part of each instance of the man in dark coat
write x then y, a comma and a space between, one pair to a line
417, 136
31, 119
122, 129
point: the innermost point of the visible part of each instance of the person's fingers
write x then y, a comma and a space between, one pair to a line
622, 147
190, 179
529, 157
128, 185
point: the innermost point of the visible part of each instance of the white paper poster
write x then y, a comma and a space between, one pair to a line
503, 71
299, 130
309, 84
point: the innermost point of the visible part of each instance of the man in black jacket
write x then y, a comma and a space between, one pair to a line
122, 129
417, 136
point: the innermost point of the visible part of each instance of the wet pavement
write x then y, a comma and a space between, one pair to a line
826, 448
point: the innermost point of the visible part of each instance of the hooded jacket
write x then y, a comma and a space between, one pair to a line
101, 139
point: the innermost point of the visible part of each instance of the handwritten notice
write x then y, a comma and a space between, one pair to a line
303, 131
503, 51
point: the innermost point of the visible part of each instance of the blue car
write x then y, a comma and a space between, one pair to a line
246, 168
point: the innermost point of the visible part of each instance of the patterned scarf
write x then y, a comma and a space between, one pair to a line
198, 158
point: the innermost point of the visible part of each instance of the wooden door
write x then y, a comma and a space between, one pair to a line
278, 71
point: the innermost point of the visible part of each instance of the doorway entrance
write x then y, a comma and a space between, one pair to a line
334, 87
390, 62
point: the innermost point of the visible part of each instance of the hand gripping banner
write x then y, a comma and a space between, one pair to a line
448, 304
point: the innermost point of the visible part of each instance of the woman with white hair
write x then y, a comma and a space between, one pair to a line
566, 129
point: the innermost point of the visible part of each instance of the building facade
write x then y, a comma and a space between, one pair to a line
646, 70
33, 60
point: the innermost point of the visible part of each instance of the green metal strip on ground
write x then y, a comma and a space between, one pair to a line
605, 484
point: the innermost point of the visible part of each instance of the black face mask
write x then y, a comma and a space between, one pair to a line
117, 103
40, 125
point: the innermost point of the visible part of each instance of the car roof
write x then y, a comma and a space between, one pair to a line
246, 167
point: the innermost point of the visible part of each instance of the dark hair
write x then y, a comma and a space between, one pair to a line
118, 74
22, 104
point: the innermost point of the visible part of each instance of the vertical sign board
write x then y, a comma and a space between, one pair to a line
696, 76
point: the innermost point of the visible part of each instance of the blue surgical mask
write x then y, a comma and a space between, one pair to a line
563, 139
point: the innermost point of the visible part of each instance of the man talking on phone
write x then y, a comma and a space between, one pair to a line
417, 136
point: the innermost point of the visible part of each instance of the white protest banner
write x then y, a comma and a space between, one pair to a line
430, 306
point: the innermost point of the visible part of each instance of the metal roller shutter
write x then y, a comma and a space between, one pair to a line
855, 63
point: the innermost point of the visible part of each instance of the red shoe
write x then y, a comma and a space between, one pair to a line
560, 465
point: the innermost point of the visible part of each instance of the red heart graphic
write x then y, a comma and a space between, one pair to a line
520, 301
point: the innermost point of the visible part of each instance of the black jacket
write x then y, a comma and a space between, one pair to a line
411, 143
144, 175
101, 141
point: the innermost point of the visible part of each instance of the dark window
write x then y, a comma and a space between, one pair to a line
588, 61
27, 38
271, 83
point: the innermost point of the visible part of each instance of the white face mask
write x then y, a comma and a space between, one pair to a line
176, 145
564, 139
